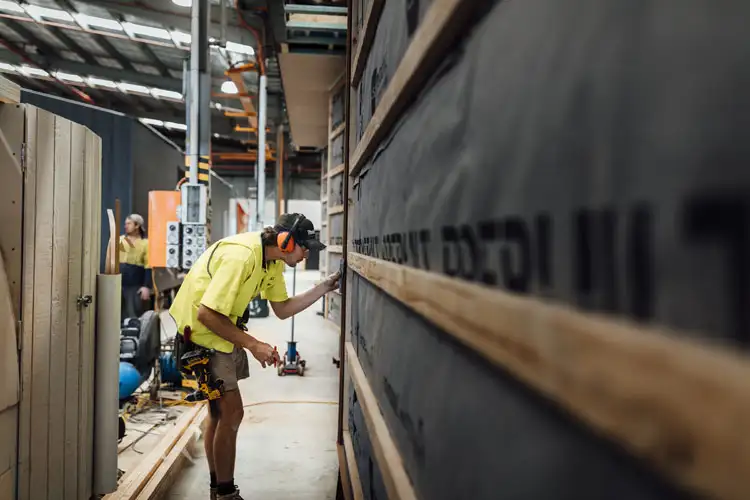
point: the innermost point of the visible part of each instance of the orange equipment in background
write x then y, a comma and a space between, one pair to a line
243, 218
162, 209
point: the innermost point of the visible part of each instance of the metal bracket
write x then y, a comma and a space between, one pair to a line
84, 301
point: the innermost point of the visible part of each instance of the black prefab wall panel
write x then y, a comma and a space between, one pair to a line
586, 152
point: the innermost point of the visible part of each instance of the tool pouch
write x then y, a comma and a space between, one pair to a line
242, 320
181, 346
179, 350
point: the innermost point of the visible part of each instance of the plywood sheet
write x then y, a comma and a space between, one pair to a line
75, 266
7, 484
42, 321
11, 196
9, 371
8, 431
59, 304
61, 209
307, 81
9, 91
29, 229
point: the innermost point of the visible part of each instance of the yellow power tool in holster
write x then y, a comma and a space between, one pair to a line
195, 362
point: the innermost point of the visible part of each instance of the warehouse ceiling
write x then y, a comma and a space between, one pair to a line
128, 55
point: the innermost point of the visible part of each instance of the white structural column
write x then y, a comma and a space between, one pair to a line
262, 152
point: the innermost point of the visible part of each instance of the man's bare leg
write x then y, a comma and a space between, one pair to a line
208, 440
225, 436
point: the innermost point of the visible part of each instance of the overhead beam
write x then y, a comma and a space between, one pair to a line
182, 21
84, 70
46, 50
317, 40
314, 9
114, 53
163, 68
72, 44
105, 44
311, 26
118, 75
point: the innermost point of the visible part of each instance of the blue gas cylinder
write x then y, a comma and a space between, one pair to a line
130, 379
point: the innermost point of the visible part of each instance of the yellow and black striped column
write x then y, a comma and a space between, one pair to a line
204, 168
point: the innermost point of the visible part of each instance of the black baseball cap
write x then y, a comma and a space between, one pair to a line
303, 230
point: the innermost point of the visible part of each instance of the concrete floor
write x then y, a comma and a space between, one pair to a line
286, 448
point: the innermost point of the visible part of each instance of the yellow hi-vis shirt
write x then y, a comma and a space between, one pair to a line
225, 278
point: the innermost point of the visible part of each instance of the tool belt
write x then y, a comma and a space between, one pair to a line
195, 359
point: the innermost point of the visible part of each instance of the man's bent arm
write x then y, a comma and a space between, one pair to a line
299, 303
224, 328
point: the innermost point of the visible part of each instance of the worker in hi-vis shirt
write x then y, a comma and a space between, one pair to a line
136, 274
209, 310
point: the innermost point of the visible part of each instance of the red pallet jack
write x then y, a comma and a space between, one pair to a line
292, 363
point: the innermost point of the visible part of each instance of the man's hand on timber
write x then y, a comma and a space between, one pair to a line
331, 283
264, 353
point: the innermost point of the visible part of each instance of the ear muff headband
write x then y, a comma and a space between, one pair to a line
285, 240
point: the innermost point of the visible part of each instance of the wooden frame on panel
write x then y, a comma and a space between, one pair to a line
365, 39
569, 356
351, 463
443, 23
396, 480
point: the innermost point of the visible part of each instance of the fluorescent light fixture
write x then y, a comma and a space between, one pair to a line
98, 22
166, 94
68, 77
10, 6
151, 121
181, 37
183, 3
100, 82
229, 87
240, 48
175, 126
134, 88
7, 67
218, 106
40, 13
140, 29
31, 71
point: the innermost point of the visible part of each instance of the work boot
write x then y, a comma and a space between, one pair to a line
232, 496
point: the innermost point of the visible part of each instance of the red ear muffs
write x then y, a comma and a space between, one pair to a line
285, 241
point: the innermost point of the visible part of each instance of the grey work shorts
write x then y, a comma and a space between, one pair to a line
230, 367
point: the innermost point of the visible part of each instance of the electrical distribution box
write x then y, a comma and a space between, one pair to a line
186, 237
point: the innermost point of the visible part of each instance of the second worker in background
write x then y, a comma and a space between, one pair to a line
210, 306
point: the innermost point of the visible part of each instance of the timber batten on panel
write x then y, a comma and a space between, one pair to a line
351, 463
442, 25
569, 356
396, 480
365, 39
